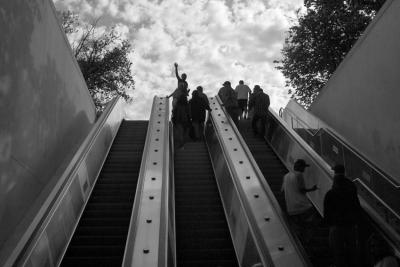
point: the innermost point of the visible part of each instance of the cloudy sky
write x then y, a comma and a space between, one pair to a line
211, 40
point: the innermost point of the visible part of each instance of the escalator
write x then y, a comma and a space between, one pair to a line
100, 237
273, 170
202, 234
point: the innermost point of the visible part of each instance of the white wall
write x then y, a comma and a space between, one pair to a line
45, 110
362, 99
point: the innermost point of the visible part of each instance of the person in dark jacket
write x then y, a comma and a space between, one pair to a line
259, 101
229, 100
181, 120
198, 109
342, 211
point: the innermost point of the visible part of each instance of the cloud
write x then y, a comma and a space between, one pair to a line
212, 40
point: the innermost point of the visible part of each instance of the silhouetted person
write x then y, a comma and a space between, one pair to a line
243, 92
342, 211
181, 120
259, 101
182, 88
202, 94
198, 109
229, 100
298, 206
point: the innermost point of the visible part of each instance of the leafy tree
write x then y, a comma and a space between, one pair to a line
320, 40
102, 57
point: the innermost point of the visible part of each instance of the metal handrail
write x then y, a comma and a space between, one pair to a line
342, 141
42, 218
268, 190
141, 198
172, 194
262, 247
132, 225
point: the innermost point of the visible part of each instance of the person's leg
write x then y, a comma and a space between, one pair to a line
201, 130
254, 124
196, 130
351, 246
179, 135
337, 245
263, 120
233, 114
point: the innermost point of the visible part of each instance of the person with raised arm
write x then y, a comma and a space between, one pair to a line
182, 88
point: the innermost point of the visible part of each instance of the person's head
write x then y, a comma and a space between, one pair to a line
300, 165
227, 84
184, 76
241, 82
200, 89
257, 88
195, 94
338, 169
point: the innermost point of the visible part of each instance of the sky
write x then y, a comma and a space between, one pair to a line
212, 41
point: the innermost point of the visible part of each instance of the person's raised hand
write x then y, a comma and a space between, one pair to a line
176, 65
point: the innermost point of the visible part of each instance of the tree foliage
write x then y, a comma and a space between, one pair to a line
320, 40
102, 56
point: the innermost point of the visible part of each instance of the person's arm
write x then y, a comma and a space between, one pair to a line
251, 101
176, 71
302, 187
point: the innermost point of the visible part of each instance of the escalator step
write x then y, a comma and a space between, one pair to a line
99, 239
202, 234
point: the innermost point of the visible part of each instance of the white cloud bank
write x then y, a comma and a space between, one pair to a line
212, 41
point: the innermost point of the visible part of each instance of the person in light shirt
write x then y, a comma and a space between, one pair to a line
243, 92
298, 206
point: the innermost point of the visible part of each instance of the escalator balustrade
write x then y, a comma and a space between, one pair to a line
99, 239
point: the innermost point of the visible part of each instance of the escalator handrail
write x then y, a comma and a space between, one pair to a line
345, 143
267, 189
262, 246
37, 226
148, 190
171, 197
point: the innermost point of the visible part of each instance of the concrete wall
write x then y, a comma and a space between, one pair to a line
361, 100
45, 110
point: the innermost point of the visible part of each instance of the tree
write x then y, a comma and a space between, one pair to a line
320, 40
102, 58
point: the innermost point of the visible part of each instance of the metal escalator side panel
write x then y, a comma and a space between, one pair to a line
288, 146
259, 232
66, 202
147, 241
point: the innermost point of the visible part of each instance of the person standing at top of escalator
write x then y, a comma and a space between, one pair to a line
298, 206
229, 100
342, 212
202, 95
182, 88
243, 92
198, 109
259, 101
